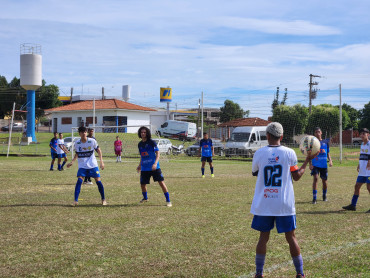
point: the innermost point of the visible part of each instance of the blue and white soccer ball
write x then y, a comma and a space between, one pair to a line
309, 143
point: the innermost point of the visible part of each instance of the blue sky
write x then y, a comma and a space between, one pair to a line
240, 50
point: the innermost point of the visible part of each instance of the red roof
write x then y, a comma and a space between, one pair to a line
100, 104
246, 122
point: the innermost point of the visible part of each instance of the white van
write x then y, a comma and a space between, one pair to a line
246, 140
178, 129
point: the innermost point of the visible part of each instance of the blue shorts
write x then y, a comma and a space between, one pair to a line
284, 224
93, 172
322, 171
62, 155
53, 155
146, 175
363, 179
206, 158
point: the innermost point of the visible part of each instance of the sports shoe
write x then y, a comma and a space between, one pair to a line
258, 276
203, 176
368, 211
89, 182
75, 204
51, 169
143, 200
300, 276
212, 176
169, 204
104, 202
324, 198
314, 202
350, 207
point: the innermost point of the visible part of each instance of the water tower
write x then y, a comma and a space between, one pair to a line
31, 80
126, 91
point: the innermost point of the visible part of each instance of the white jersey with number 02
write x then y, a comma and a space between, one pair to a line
274, 193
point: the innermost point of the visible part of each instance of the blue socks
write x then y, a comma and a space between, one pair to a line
211, 169
59, 167
51, 166
324, 193
260, 262
354, 200
314, 192
298, 263
101, 189
202, 171
167, 195
78, 188
145, 195
64, 163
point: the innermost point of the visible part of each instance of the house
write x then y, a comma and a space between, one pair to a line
108, 112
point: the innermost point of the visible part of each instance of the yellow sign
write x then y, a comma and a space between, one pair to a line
166, 94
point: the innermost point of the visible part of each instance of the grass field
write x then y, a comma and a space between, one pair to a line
205, 234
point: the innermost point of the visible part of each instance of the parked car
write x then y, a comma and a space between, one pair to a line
218, 146
68, 142
16, 127
178, 129
164, 145
357, 141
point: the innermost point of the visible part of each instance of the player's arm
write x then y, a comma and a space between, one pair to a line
157, 155
298, 173
138, 168
63, 148
98, 150
51, 147
213, 151
200, 149
73, 160
330, 161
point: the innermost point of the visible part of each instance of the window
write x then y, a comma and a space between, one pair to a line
263, 135
67, 121
164, 125
89, 120
240, 137
253, 138
215, 114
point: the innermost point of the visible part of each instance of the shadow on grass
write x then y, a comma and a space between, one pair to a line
322, 212
80, 205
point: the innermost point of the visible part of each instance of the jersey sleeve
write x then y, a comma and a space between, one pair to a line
293, 161
155, 147
210, 142
255, 161
95, 144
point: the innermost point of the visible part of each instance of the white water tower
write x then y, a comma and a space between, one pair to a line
126, 91
31, 80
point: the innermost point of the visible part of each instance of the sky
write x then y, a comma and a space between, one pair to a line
238, 50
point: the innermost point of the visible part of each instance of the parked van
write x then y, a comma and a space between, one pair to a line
246, 140
178, 129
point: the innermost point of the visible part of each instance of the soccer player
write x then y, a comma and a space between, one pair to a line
207, 151
53, 149
319, 165
363, 169
118, 149
90, 134
149, 165
87, 164
273, 201
62, 152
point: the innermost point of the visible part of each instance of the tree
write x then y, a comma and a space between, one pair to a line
294, 120
365, 116
276, 101
326, 117
231, 111
353, 114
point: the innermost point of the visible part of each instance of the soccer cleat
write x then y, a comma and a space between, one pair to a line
169, 204
258, 276
75, 204
104, 202
324, 198
203, 176
300, 276
89, 182
350, 207
143, 200
51, 169
314, 202
212, 175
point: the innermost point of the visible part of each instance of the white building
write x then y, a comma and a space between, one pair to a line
108, 112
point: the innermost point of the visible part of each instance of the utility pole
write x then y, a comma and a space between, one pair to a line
102, 93
313, 91
70, 101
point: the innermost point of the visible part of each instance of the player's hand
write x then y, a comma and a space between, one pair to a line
102, 165
358, 168
154, 167
311, 167
311, 156
330, 163
138, 168
69, 164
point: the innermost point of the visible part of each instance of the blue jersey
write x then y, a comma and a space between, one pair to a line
147, 151
206, 146
321, 160
54, 144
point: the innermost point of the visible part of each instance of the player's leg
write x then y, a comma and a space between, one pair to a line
144, 180
78, 188
211, 167
101, 190
144, 191
59, 162
314, 187
65, 161
356, 194
295, 252
203, 164
324, 179
157, 176
52, 161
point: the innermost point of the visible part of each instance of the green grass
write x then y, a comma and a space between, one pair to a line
205, 234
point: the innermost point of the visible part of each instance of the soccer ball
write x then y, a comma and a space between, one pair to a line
309, 143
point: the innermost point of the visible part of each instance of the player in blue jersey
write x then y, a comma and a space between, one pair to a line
207, 151
363, 169
319, 166
53, 149
149, 165
87, 164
